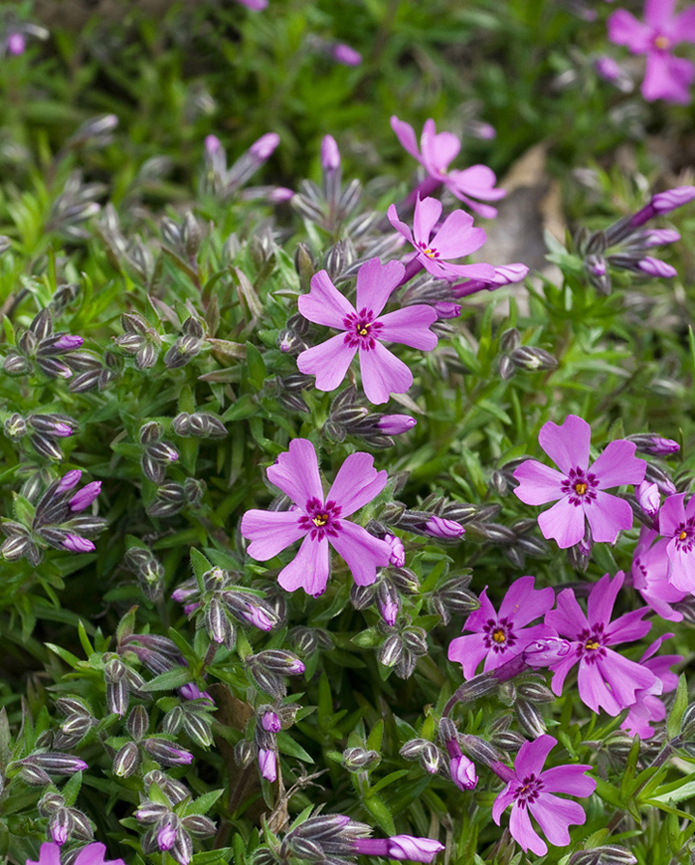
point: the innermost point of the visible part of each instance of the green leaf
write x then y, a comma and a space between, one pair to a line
199, 564
169, 680
680, 704
287, 745
203, 803
256, 366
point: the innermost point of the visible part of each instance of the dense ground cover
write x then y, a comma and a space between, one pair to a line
241, 247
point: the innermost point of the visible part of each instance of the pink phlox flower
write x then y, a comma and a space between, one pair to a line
505, 274
435, 153
648, 498
319, 520
363, 329
648, 708
455, 238
500, 636
578, 486
677, 523
531, 791
606, 679
650, 567
666, 76
92, 854
255, 5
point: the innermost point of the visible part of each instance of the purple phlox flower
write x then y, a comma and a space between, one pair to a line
271, 722
677, 523
363, 329
531, 791
546, 651
656, 267
255, 5
69, 480
16, 43
500, 636
344, 54
435, 153
166, 837
505, 274
666, 76
67, 342
445, 309
92, 854
399, 847
319, 520
610, 70
660, 237
462, 769
578, 486
648, 708
606, 679
263, 148
268, 764
650, 566
84, 498
455, 238
446, 530
78, 544
648, 498
330, 154
395, 424
397, 554
190, 691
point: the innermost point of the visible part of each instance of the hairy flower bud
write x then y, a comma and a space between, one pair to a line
126, 760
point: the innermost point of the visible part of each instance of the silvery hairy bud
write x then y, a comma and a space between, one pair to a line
218, 626
199, 825
167, 753
391, 651
405, 580
608, 854
362, 597
415, 640
126, 760
510, 339
304, 848
55, 762
506, 367
360, 759
34, 776
479, 750
535, 691
169, 500
15, 426
507, 740
197, 726
530, 718
244, 753
532, 358
277, 661
186, 346
138, 722
338, 258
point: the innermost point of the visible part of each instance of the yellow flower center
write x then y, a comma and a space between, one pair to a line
683, 535
592, 644
320, 520
363, 330
663, 43
430, 253
580, 488
498, 636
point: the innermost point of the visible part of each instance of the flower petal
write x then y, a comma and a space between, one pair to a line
682, 571
457, 237
309, 569
427, 213
522, 831
629, 627
362, 552
683, 25
270, 532
618, 465
468, 651
478, 181
523, 603
438, 150
325, 304
328, 361
562, 668
410, 325
625, 678
625, 29
376, 282
532, 755
296, 472
504, 799
564, 522
538, 484
658, 12
593, 690
672, 515
383, 374
356, 483
400, 226
567, 445
554, 816
569, 779
607, 516
406, 135
602, 599
477, 619
667, 77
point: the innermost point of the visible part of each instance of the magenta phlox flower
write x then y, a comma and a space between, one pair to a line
318, 519
648, 708
578, 486
435, 153
677, 523
606, 679
455, 238
531, 793
500, 636
650, 568
363, 330
666, 76
505, 274
92, 854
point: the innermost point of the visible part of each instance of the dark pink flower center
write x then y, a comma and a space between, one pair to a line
591, 644
580, 486
427, 250
528, 790
498, 635
321, 519
685, 536
362, 329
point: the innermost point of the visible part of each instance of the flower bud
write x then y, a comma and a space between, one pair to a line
546, 652
167, 753
442, 529
530, 718
267, 763
360, 759
126, 760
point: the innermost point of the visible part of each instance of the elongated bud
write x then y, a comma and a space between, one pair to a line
360, 759
330, 155
167, 753
126, 760
267, 764
55, 762
545, 653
